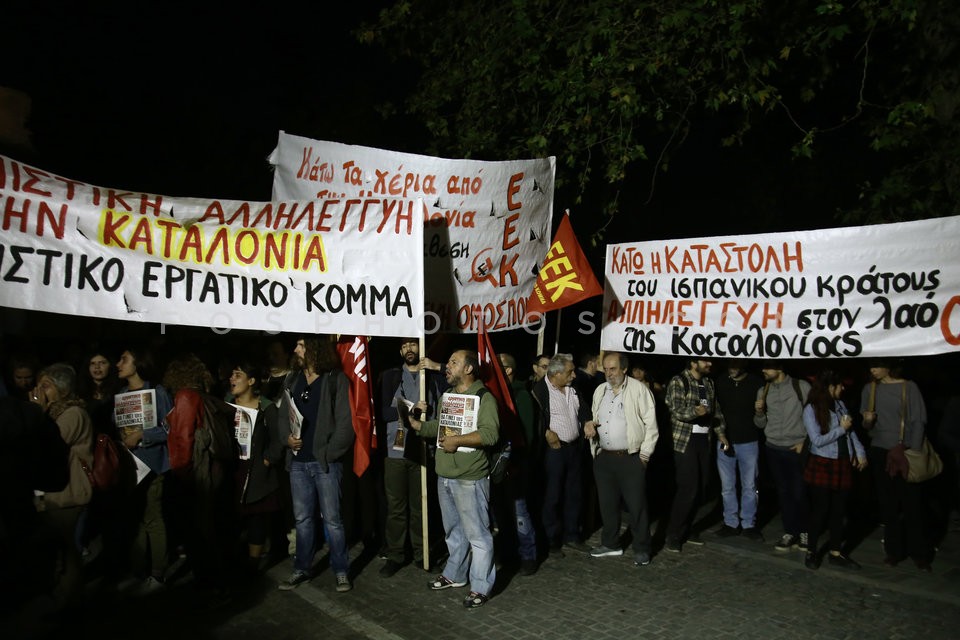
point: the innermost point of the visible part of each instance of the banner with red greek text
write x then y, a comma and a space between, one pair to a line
314, 266
879, 290
486, 224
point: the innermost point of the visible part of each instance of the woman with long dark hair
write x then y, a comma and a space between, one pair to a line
97, 383
835, 451
148, 443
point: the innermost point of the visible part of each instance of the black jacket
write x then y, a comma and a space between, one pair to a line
389, 383
266, 445
333, 424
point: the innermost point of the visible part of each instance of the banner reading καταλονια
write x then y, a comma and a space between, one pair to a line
879, 290
487, 224
317, 266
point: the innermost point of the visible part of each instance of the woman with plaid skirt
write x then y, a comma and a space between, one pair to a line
835, 451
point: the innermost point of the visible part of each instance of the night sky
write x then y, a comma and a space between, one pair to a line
150, 97
145, 97
188, 102
180, 102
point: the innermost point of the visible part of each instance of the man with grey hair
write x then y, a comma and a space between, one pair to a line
563, 416
623, 435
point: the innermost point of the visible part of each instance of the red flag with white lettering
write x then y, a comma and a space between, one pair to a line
356, 366
565, 277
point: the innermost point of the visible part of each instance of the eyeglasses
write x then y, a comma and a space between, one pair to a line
305, 396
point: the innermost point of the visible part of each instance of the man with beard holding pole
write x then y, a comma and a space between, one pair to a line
405, 481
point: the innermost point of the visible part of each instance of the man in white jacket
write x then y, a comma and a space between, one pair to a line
623, 434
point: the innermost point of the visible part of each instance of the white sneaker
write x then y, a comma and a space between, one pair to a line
785, 543
150, 585
605, 552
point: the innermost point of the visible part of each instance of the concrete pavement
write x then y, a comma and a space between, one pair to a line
729, 587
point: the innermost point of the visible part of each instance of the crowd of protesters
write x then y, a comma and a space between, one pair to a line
188, 503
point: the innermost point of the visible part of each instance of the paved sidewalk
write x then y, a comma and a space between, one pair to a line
728, 588
942, 584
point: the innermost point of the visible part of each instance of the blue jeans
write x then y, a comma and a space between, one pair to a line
310, 486
526, 534
745, 458
464, 506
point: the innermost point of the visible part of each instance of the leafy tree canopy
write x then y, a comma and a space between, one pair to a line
613, 88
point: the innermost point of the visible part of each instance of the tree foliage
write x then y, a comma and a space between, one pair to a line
613, 87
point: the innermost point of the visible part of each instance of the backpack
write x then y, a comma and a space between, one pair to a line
104, 472
796, 388
215, 450
683, 382
499, 453
500, 461
218, 422
686, 387
805, 450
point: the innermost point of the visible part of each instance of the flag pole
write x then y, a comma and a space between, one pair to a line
540, 334
556, 344
424, 515
565, 278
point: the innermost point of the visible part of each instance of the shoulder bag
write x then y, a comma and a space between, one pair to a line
924, 462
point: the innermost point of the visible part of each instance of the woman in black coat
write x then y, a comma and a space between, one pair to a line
261, 454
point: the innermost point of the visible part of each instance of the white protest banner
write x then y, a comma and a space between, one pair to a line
487, 224
319, 266
880, 290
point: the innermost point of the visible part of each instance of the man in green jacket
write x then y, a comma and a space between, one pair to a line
463, 484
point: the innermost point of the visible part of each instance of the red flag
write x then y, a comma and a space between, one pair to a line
565, 277
492, 375
356, 365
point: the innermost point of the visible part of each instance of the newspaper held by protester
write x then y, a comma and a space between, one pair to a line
135, 411
296, 418
458, 416
243, 425
403, 407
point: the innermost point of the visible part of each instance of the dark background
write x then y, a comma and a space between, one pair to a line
188, 101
